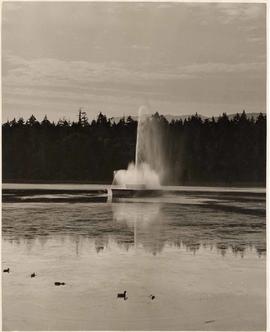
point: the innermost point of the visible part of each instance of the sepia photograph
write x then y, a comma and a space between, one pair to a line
134, 166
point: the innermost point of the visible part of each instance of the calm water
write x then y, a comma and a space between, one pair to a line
201, 252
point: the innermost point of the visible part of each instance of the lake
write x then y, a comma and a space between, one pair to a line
200, 251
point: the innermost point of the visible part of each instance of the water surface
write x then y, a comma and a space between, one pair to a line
200, 252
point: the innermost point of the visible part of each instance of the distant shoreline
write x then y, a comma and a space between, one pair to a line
190, 153
201, 184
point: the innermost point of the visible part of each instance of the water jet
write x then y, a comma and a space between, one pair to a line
145, 173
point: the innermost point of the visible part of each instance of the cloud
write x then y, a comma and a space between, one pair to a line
229, 12
48, 83
12, 6
55, 72
8, 9
225, 68
242, 16
112, 53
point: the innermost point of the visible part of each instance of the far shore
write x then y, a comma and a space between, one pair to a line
106, 182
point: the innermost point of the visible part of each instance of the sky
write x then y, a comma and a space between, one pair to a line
177, 58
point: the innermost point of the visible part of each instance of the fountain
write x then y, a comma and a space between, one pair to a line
147, 171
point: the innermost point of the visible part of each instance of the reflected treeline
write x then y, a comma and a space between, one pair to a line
143, 226
153, 247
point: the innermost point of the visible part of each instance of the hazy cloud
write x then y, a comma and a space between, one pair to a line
58, 72
119, 54
241, 11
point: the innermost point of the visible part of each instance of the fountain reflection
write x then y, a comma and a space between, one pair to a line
146, 222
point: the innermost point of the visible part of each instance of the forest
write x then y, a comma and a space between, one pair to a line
216, 151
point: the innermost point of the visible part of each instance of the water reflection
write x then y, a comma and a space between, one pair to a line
151, 227
146, 222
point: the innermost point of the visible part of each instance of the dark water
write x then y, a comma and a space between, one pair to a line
200, 252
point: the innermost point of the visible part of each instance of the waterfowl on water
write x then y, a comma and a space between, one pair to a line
152, 297
6, 270
57, 283
122, 295
33, 275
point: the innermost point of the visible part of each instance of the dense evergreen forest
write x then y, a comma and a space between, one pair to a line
211, 151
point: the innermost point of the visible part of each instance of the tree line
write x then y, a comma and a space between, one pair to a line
213, 151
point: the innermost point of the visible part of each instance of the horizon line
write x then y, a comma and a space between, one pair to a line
186, 116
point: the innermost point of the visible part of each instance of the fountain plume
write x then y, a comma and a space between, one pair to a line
148, 167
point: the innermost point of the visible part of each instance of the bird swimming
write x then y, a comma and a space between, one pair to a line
122, 295
33, 275
6, 270
57, 283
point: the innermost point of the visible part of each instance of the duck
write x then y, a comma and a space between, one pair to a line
33, 275
57, 283
152, 297
122, 295
6, 270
